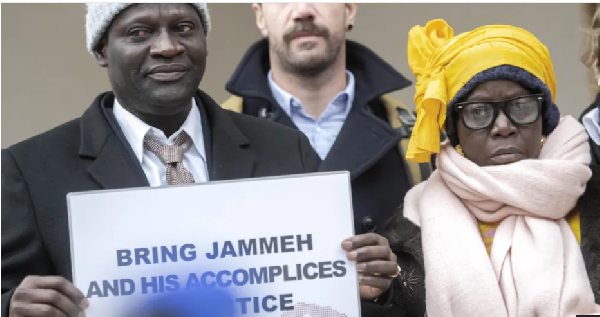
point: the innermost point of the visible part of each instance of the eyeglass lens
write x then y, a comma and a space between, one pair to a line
522, 110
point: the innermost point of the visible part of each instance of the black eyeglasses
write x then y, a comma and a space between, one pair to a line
477, 115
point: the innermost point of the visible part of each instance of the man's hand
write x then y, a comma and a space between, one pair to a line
40, 296
375, 262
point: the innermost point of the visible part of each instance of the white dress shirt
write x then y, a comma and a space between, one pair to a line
194, 159
592, 126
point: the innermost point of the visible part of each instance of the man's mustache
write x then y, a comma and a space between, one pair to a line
304, 28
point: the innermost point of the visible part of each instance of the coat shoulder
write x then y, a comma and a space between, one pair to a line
264, 129
66, 135
275, 144
233, 103
390, 101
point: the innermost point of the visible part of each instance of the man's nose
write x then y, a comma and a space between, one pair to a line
166, 45
303, 11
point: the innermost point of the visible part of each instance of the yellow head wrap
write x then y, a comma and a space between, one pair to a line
443, 64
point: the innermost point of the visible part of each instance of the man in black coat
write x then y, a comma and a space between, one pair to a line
305, 75
155, 55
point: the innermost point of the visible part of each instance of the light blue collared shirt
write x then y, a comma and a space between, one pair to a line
592, 126
321, 132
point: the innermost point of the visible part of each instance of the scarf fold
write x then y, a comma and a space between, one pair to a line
536, 267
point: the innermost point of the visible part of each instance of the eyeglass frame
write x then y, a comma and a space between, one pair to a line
539, 98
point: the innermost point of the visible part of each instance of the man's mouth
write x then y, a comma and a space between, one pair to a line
304, 35
168, 72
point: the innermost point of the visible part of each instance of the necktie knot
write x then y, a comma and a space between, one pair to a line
169, 154
172, 157
172, 154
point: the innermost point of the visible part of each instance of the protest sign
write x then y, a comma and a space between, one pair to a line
273, 242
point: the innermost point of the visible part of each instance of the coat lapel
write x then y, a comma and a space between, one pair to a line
230, 159
362, 141
365, 138
114, 166
281, 117
114, 169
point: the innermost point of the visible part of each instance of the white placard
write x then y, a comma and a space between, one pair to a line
128, 245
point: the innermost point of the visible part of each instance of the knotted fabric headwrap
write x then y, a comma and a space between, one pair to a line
444, 63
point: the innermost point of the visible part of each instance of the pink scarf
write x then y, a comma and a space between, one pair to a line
536, 267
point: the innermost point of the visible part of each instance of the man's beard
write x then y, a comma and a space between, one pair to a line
314, 64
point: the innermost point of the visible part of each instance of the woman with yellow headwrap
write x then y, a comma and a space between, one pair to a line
509, 180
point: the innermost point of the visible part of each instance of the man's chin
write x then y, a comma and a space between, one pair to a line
170, 91
169, 96
310, 64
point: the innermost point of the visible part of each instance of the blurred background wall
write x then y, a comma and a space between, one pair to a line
48, 77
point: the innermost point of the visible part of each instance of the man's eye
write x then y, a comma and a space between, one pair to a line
184, 28
139, 33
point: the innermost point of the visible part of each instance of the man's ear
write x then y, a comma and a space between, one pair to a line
260, 19
351, 9
100, 53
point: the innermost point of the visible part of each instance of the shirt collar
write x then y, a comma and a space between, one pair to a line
135, 130
287, 101
592, 126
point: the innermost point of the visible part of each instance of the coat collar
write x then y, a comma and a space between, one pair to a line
594, 148
363, 140
374, 77
114, 165
230, 156
596, 104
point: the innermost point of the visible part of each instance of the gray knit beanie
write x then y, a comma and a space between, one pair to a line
100, 16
